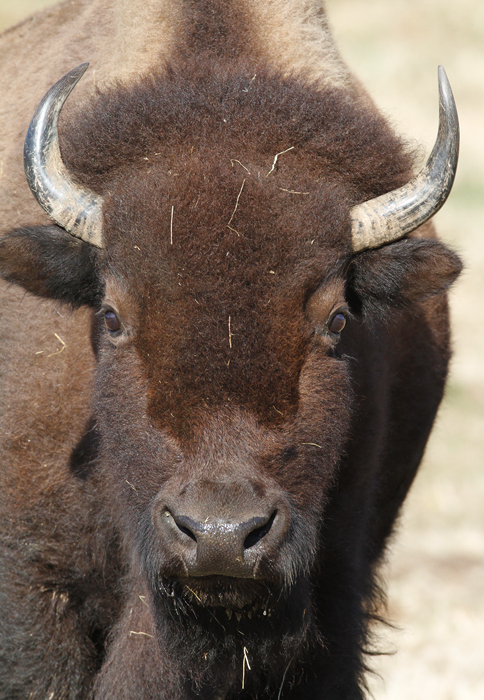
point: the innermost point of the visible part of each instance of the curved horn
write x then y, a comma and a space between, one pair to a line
76, 209
394, 214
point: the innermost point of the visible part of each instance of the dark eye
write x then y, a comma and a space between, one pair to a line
113, 324
337, 323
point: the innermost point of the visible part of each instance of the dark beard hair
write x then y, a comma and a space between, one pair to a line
228, 649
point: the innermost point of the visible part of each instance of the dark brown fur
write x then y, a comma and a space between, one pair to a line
225, 275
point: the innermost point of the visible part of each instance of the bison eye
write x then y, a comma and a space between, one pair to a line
337, 323
112, 322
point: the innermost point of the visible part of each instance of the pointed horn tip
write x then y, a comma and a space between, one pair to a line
444, 85
81, 69
65, 85
445, 90
73, 76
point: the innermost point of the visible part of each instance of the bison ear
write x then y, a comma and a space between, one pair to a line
400, 274
49, 262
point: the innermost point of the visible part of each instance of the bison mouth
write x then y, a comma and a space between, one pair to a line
221, 606
219, 593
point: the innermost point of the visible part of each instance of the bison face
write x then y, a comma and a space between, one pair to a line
222, 401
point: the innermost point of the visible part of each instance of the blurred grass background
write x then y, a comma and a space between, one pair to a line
436, 562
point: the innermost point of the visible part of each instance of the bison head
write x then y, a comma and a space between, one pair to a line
224, 235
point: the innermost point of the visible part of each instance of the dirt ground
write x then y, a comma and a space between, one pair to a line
435, 565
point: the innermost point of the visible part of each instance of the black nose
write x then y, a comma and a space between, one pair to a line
211, 534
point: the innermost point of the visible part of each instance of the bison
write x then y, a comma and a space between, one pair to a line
224, 343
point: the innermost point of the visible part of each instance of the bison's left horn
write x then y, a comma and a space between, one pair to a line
76, 209
394, 214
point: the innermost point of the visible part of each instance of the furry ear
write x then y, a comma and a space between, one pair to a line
49, 262
400, 274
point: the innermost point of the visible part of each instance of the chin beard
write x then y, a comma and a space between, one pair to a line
232, 633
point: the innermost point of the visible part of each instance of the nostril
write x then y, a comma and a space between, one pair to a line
186, 531
181, 527
256, 535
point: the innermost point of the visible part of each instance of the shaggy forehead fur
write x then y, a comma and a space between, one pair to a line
215, 251
243, 113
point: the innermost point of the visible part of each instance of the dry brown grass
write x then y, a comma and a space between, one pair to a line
436, 568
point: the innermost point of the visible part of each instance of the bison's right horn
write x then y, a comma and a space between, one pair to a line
76, 209
394, 214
